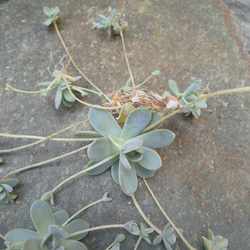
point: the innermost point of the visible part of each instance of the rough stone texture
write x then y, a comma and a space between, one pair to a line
204, 180
241, 10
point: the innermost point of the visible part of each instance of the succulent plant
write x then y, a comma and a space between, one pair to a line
52, 14
215, 242
168, 236
6, 187
52, 231
109, 24
130, 151
62, 94
189, 95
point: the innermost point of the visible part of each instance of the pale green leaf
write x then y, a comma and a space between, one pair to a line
104, 123
136, 121
42, 216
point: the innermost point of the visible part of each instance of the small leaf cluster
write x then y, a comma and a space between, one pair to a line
214, 242
143, 231
6, 187
109, 24
128, 151
168, 236
52, 231
188, 96
52, 15
62, 94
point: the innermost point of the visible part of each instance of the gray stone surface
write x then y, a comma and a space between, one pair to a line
204, 180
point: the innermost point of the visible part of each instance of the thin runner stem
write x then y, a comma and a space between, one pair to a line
42, 139
73, 62
144, 216
44, 162
167, 217
127, 61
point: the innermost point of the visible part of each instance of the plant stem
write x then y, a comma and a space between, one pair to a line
144, 216
167, 217
85, 103
73, 62
139, 85
81, 210
1, 236
44, 162
96, 228
34, 137
45, 138
127, 61
137, 243
218, 93
30, 92
82, 172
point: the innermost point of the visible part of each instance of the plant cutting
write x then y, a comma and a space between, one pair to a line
52, 231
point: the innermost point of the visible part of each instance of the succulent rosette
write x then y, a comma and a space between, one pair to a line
128, 150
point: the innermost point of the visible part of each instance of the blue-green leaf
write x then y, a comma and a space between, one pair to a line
193, 87
104, 123
157, 139
60, 217
42, 216
33, 243
173, 86
115, 172
87, 134
100, 169
127, 179
102, 148
58, 98
150, 159
136, 121
72, 245
75, 226
143, 172
20, 235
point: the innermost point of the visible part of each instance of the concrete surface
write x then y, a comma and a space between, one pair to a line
205, 179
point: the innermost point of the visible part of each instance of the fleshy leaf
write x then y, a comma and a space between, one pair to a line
68, 96
87, 134
143, 172
58, 98
101, 149
60, 217
72, 245
57, 231
33, 244
115, 172
132, 228
131, 144
20, 235
112, 15
128, 180
150, 159
134, 156
157, 139
76, 225
104, 122
156, 116
193, 87
173, 86
124, 112
100, 169
124, 161
42, 216
136, 121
